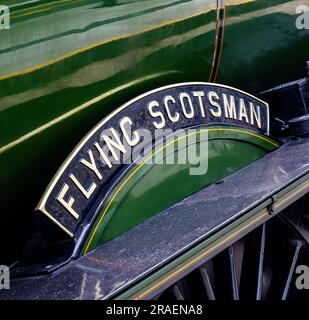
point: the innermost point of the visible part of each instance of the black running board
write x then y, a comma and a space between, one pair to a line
155, 254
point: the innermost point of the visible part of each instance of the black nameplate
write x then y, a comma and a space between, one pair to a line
93, 162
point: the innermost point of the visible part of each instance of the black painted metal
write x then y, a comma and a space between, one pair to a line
124, 260
207, 283
261, 264
297, 245
233, 273
281, 98
300, 125
137, 118
275, 281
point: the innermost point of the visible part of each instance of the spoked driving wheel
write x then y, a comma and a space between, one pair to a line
260, 266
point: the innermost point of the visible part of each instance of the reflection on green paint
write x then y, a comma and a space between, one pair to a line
148, 189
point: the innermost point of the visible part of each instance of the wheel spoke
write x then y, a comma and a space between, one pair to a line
177, 293
297, 246
207, 283
261, 264
236, 252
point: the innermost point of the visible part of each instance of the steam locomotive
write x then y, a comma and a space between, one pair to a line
83, 83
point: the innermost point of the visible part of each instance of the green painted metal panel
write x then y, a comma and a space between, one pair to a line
149, 188
64, 65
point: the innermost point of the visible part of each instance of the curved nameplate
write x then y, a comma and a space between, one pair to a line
111, 143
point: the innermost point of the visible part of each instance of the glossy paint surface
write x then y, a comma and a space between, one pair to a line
64, 65
114, 267
262, 47
148, 188
64, 68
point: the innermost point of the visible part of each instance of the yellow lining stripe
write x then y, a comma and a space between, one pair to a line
215, 61
148, 158
46, 8
279, 204
213, 248
75, 110
221, 43
266, 213
125, 36
73, 53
